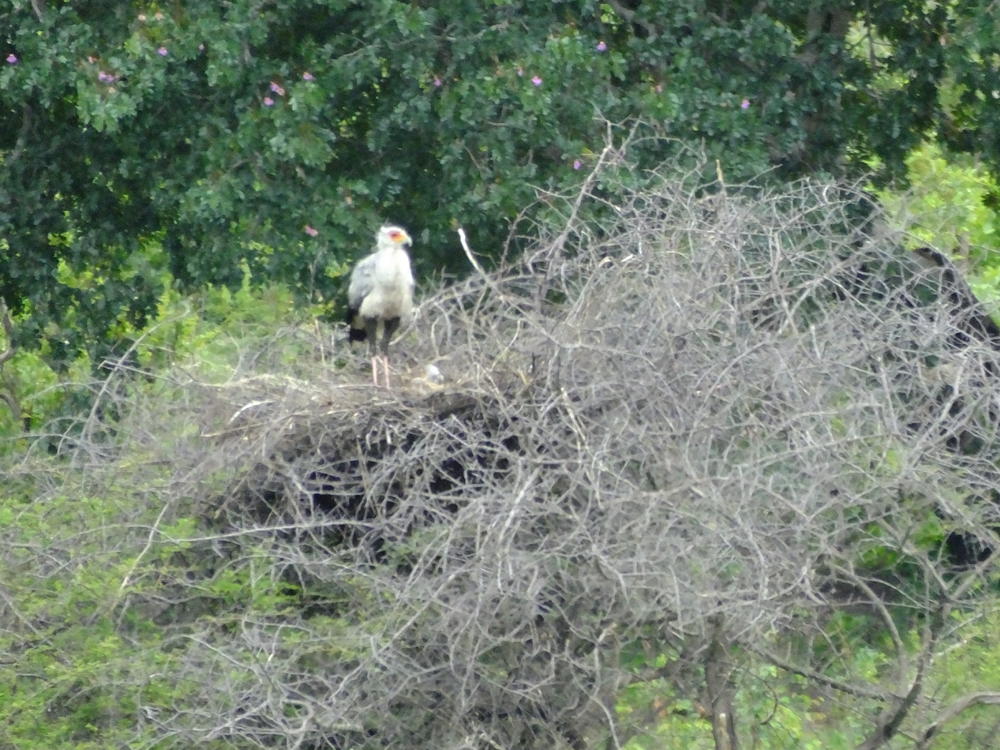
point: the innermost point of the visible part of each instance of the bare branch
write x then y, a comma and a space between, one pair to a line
956, 708
822, 679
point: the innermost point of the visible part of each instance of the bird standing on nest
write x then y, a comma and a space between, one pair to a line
381, 292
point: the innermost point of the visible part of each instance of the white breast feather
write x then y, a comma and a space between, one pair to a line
392, 286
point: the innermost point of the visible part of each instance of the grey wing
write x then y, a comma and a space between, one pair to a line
362, 282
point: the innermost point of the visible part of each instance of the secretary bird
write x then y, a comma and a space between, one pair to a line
381, 293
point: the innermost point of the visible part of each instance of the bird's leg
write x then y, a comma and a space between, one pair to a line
388, 328
371, 329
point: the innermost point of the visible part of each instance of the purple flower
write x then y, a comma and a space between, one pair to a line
268, 101
12, 58
311, 232
105, 77
520, 71
162, 51
307, 76
576, 164
277, 89
601, 46
437, 81
537, 81
745, 104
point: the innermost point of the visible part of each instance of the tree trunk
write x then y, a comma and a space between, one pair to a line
720, 690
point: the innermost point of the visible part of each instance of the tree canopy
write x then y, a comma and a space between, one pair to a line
205, 140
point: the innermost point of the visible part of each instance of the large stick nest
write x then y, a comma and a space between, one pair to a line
680, 406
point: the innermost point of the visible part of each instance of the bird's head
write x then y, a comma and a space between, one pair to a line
391, 237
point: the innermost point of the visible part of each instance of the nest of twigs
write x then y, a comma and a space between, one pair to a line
682, 413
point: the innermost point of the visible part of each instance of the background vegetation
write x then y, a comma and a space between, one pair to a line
142, 140
182, 188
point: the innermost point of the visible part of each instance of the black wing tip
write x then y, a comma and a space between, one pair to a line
355, 327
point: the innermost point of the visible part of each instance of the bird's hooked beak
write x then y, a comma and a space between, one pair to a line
401, 238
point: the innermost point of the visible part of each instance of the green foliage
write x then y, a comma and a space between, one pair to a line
776, 712
42, 393
948, 207
207, 332
782, 711
89, 577
282, 135
78, 669
972, 661
952, 206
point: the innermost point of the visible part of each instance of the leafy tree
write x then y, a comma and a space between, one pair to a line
951, 204
140, 138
